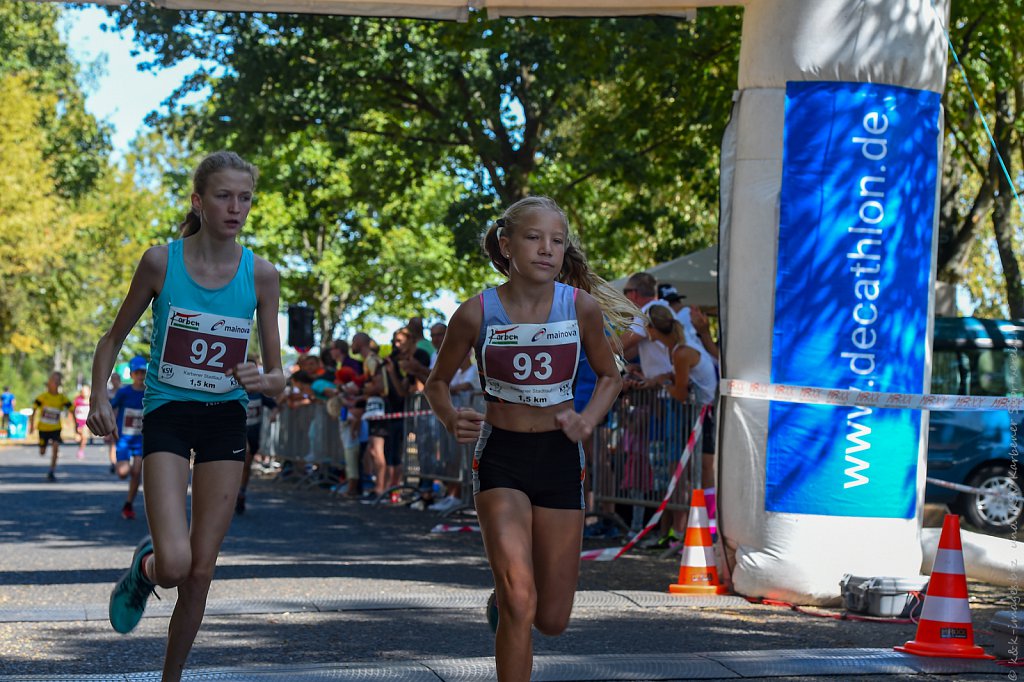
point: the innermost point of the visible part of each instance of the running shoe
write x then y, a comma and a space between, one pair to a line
50, 476
81, 453
113, 469
370, 498
446, 503
492, 612
128, 598
127, 512
240, 504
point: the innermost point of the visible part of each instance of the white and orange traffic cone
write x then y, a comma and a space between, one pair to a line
698, 573
945, 629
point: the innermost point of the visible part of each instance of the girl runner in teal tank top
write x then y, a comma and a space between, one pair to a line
528, 465
205, 290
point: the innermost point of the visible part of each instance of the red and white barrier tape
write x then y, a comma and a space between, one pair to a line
612, 553
449, 528
810, 395
398, 415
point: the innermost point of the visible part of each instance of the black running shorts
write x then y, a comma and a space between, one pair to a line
214, 431
48, 436
546, 466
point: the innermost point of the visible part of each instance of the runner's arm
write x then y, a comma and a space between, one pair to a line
148, 278
268, 302
463, 330
602, 361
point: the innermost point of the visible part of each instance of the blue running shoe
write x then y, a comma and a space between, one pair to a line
492, 612
128, 599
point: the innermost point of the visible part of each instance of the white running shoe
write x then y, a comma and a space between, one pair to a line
445, 504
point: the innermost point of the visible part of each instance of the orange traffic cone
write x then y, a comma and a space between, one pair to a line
698, 573
945, 629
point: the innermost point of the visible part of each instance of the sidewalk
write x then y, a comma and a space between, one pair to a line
311, 587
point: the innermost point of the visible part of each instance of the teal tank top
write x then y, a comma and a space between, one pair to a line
198, 334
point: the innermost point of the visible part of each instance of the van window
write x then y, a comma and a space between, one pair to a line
946, 372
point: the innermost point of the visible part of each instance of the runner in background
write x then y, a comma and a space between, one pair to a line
49, 406
113, 386
81, 411
528, 467
7, 402
253, 431
204, 289
128, 403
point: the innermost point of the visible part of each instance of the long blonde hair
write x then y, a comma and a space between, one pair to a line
664, 321
215, 162
619, 312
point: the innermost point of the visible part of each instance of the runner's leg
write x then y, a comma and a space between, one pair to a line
214, 488
506, 521
557, 541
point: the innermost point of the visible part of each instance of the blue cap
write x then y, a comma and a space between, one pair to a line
138, 362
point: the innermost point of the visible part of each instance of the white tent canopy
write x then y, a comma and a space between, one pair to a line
695, 275
454, 10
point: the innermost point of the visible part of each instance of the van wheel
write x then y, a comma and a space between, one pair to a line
993, 512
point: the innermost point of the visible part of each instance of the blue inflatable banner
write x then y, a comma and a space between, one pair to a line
851, 294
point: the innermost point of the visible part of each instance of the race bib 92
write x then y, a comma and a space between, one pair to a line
200, 347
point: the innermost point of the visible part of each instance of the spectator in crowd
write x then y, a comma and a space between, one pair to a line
375, 393
641, 289
415, 329
327, 361
437, 332
339, 351
401, 383
693, 319
312, 365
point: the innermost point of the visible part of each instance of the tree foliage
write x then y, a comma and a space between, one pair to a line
980, 222
437, 126
71, 223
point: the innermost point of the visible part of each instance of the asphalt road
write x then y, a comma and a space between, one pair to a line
305, 578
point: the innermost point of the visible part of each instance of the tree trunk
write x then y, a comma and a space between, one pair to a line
1002, 212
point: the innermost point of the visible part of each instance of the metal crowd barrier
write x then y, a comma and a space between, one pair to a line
637, 449
634, 455
305, 434
433, 454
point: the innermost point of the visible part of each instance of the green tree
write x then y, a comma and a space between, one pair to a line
979, 224
619, 119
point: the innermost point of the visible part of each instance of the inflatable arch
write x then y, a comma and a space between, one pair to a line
829, 187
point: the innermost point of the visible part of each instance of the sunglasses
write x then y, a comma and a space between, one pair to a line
628, 291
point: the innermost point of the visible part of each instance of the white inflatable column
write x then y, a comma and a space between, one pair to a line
799, 512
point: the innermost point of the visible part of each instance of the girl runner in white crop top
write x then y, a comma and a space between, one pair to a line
528, 461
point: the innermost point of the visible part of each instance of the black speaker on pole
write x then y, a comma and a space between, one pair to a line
300, 327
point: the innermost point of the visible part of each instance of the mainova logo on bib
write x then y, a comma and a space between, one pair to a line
851, 298
200, 347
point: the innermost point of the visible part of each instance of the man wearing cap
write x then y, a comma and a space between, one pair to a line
128, 403
694, 321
